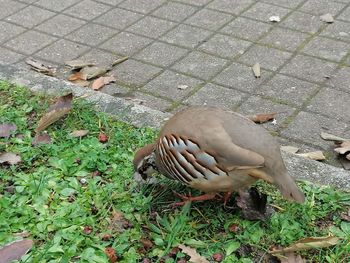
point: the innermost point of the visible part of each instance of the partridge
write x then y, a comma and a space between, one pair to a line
214, 150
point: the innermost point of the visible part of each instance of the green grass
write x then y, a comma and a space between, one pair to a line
44, 196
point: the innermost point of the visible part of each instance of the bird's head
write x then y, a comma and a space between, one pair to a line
144, 161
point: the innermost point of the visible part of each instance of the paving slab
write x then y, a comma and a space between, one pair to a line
205, 47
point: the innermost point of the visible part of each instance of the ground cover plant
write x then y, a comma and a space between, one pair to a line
76, 198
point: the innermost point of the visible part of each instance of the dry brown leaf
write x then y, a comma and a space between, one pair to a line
261, 118
308, 243
328, 18
40, 67
92, 72
119, 60
76, 76
101, 81
317, 155
290, 149
15, 250
193, 254
291, 257
331, 137
10, 158
41, 139
78, 63
182, 87
344, 148
256, 70
117, 222
345, 216
7, 129
110, 252
81, 82
56, 111
79, 133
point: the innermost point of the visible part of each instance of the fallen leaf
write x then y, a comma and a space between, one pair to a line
193, 254
217, 257
56, 111
291, 257
15, 250
308, 243
345, 216
78, 63
40, 67
119, 60
261, 118
110, 252
92, 72
10, 158
146, 243
182, 87
81, 82
317, 155
76, 76
117, 222
274, 18
79, 133
135, 100
101, 81
233, 228
102, 137
254, 205
41, 139
88, 230
328, 18
331, 137
290, 149
256, 70
7, 129
344, 148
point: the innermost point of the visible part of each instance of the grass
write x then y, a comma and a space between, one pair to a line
74, 220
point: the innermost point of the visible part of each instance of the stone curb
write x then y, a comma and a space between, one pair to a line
139, 115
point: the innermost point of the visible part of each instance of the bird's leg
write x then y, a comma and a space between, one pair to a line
186, 199
226, 197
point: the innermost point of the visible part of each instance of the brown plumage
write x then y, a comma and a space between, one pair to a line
214, 150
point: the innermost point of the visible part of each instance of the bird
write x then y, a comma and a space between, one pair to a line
215, 150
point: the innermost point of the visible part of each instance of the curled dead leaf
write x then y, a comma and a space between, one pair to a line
261, 118
117, 222
331, 137
56, 111
7, 129
256, 70
10, 158
309, 243
15, 250
110, 252
79, 133
291, 257
81, 82
41, 139
119, 60
193, 254
92, 72
78, 63
344, 148
101, 81
41, 67
316, 155
290, 149
76, 76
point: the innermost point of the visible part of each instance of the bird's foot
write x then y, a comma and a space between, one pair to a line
190, 198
